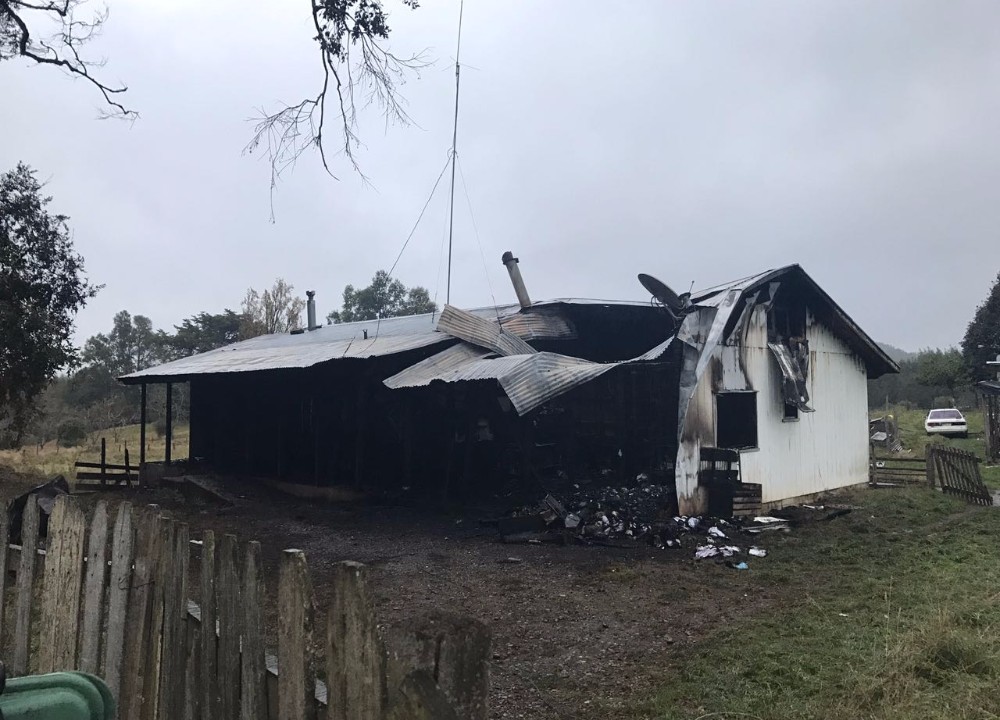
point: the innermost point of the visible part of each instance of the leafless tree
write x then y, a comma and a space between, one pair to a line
358, 71
74, 25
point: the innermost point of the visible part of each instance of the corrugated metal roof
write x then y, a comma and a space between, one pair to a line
528, 380
540, 323
479, 331
330, 342
345, 340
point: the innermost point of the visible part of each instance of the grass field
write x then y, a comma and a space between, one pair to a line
54, 460
890, 612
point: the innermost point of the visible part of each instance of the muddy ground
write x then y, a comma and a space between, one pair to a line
577, 631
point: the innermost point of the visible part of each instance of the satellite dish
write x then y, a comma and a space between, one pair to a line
673, 302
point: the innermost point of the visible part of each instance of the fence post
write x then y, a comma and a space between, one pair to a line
452, 649
174, 654
122, 551
253, 679
931, 475
93, 603
139, 615
355, 657
25, 583
296, 682
155, 650
104, 458
61, 586
209, 641
4, 554
228, 594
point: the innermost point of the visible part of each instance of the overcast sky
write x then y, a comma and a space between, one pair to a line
697, 141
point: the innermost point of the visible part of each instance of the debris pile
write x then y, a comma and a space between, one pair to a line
641, 514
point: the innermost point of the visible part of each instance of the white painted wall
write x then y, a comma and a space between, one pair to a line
823, 450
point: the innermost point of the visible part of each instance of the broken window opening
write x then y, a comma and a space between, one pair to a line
736, 420
791, 412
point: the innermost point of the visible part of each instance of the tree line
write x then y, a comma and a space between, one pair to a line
52, 390
934, 377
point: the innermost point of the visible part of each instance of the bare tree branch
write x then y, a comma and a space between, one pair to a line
371, 76
62, 48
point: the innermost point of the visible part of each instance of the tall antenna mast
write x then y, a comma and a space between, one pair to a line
454, 151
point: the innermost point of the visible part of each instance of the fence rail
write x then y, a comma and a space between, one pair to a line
115, 601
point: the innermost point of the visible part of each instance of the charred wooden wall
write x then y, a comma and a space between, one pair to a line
337, 424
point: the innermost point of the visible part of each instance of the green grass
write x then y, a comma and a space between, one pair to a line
890, 612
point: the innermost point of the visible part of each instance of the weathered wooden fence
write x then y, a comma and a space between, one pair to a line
122, 611
894, 471
956, 472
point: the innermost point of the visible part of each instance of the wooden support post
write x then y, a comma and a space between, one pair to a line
104, 461
142, 427
296, 681
170, 423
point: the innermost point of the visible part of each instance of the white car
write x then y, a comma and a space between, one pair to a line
946, 421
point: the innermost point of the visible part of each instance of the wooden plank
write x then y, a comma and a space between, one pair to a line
355, 657
25, 583
117, 477
174, 649
229, 612
61, 586
295, 620
93, 595
253, 676
97, 465
192, 665
119, 587
4, 555
138, 615
162, 578
209, 646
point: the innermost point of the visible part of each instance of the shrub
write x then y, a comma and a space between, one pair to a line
72, 432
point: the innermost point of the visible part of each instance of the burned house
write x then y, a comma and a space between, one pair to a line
767, 369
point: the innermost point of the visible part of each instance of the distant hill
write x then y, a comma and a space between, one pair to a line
896, 354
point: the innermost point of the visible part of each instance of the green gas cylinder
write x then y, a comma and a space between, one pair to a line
57, 696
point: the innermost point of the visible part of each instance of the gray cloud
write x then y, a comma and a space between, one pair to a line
697, 141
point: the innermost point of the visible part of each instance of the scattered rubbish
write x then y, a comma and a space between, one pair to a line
709, 551
765, 523
840, 512
758, 552
512, 560
739, 566
715, 532
843, 614
572, 520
